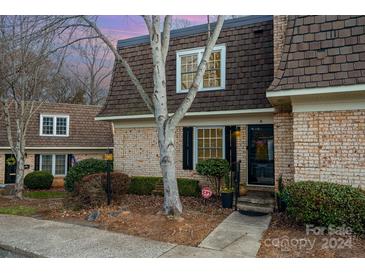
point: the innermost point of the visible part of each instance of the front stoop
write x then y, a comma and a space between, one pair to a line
257, 202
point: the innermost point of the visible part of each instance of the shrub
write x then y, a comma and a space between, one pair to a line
92, 189
142, 185
188, 187
38, 180
214, 170
81, 169
322, 203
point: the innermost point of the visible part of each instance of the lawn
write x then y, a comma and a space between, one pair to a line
18, 210
284, 239
45, 194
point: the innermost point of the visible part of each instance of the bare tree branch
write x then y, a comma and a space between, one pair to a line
125, 64
166, 36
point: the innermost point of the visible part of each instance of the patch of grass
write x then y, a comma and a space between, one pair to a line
18, 210
45, 194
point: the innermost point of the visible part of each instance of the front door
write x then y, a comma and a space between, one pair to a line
10, 169
261, 155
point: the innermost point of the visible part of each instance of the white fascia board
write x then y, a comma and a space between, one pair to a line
199, 113
315, 91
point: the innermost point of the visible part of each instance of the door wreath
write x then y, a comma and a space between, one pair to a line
11, 161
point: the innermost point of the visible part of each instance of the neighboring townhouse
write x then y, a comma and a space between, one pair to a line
58, 135
319, 96
282, 94
230, 118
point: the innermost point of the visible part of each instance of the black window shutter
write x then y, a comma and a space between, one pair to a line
69, 161
188, 148
227, 140
36, 162
231, 144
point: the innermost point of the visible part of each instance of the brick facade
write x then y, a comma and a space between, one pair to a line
330, 146
284, 146
136, 153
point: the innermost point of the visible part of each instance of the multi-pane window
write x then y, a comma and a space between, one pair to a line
60, 164
187, 64
46, 163
47, 125
209, 143
54, 163
61, 125
54, 125
212, 75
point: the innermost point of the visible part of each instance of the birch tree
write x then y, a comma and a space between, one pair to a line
26, 71
159, 33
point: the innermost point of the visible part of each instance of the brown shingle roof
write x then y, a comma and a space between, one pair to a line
322, 51
84, 131
249, 71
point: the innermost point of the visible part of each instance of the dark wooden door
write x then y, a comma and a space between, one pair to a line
261, 155
10, 169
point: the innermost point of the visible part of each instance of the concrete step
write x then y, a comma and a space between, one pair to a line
8, 189
245, 206
256, 200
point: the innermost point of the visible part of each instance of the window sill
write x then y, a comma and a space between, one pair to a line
202, 90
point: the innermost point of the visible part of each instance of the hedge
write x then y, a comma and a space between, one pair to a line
142, 185
38, 180
324, 204
81, 169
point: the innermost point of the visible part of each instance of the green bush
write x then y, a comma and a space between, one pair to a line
81, 169
142, 185
38, 180
188, 187
214, 170
324, 204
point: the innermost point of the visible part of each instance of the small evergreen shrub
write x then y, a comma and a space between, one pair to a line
214, 170
38, 180
143, 185
324, 204
188, 187
81, 169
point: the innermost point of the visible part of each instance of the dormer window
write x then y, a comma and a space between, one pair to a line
187, 62
54, 125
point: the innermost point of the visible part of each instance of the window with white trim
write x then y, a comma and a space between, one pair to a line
56, 164
209, 143
54, 125
187, 62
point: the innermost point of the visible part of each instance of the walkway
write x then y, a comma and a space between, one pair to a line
236, 236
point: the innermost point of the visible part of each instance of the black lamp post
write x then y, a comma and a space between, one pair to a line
108, 157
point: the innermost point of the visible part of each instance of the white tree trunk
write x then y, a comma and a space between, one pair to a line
19, 181
172, 203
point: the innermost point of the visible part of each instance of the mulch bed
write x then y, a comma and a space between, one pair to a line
140, 216
285, 239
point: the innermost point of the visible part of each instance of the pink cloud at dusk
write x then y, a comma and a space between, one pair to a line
118, 27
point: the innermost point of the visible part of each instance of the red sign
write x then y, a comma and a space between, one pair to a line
206, 192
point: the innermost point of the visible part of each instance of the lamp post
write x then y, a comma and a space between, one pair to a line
109, 158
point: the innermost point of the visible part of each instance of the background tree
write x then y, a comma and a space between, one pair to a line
93, 70
157, 102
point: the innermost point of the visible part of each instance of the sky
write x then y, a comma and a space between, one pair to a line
125, 26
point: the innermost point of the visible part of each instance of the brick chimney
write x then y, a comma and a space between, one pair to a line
280, 22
